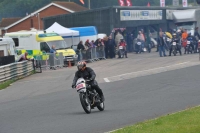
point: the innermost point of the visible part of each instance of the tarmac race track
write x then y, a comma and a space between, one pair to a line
45, 103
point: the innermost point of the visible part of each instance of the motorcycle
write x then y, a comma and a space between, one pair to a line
167, 43
188, 48
121, 51
139, 47
89, 98
174, 48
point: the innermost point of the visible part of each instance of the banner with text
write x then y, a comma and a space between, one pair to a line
162, 3
140, 15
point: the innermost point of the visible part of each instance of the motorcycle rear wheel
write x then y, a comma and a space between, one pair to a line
85, 104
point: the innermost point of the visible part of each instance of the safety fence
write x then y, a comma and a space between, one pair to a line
92, 54
50, 60
15, 70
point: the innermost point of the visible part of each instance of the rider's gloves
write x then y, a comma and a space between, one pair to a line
73, 86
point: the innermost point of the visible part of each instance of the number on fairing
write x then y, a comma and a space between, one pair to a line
138, 43
80, 86
174, 43
168, 39
120, 47
188, 42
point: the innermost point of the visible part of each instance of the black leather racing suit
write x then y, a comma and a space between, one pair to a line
88, 74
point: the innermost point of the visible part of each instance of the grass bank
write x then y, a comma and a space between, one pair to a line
187, 121
9, 82
6, 84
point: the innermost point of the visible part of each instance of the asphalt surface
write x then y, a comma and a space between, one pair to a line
45, 103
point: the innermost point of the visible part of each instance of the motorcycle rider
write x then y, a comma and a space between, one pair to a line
88, 74
178, 47
190, 38
123, 44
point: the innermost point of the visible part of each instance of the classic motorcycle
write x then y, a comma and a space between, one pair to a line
121, 51
89, 98
167, 43
174, 48
188, 48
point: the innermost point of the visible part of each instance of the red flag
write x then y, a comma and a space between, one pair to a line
148, 4
128, 3
82, 2
121, 2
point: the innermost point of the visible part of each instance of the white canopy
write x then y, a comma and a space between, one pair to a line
62, 31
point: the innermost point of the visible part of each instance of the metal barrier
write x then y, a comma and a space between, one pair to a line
56, 60
15, 70
50, 60
43, 59
100, 51
92, 54
86, 55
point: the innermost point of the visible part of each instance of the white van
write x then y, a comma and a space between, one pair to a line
7, 47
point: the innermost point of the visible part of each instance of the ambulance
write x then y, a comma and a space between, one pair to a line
40, 41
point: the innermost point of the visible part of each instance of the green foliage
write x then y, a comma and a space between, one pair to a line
19, 8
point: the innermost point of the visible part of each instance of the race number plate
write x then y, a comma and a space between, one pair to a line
188, 42
80, 86
168, 39
120, 47
174, 43
138, 43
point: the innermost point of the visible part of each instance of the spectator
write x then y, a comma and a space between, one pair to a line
87, 50
80, 48
118, 37
92, 44
140, 38
105, 41
111, 47
143, 44
23, 57
101, 49
130, 42
53, 49
98, 44
161, 44
197, 37
87, 44
184, 38
185, 34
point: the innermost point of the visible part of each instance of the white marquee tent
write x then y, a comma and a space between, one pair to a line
70, 36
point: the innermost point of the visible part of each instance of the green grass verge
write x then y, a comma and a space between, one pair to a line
187, 121
6, 84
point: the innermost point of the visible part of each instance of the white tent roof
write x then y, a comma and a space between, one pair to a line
62, 31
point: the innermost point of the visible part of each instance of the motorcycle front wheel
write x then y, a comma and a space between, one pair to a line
101, 106
85, 103
174, 51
